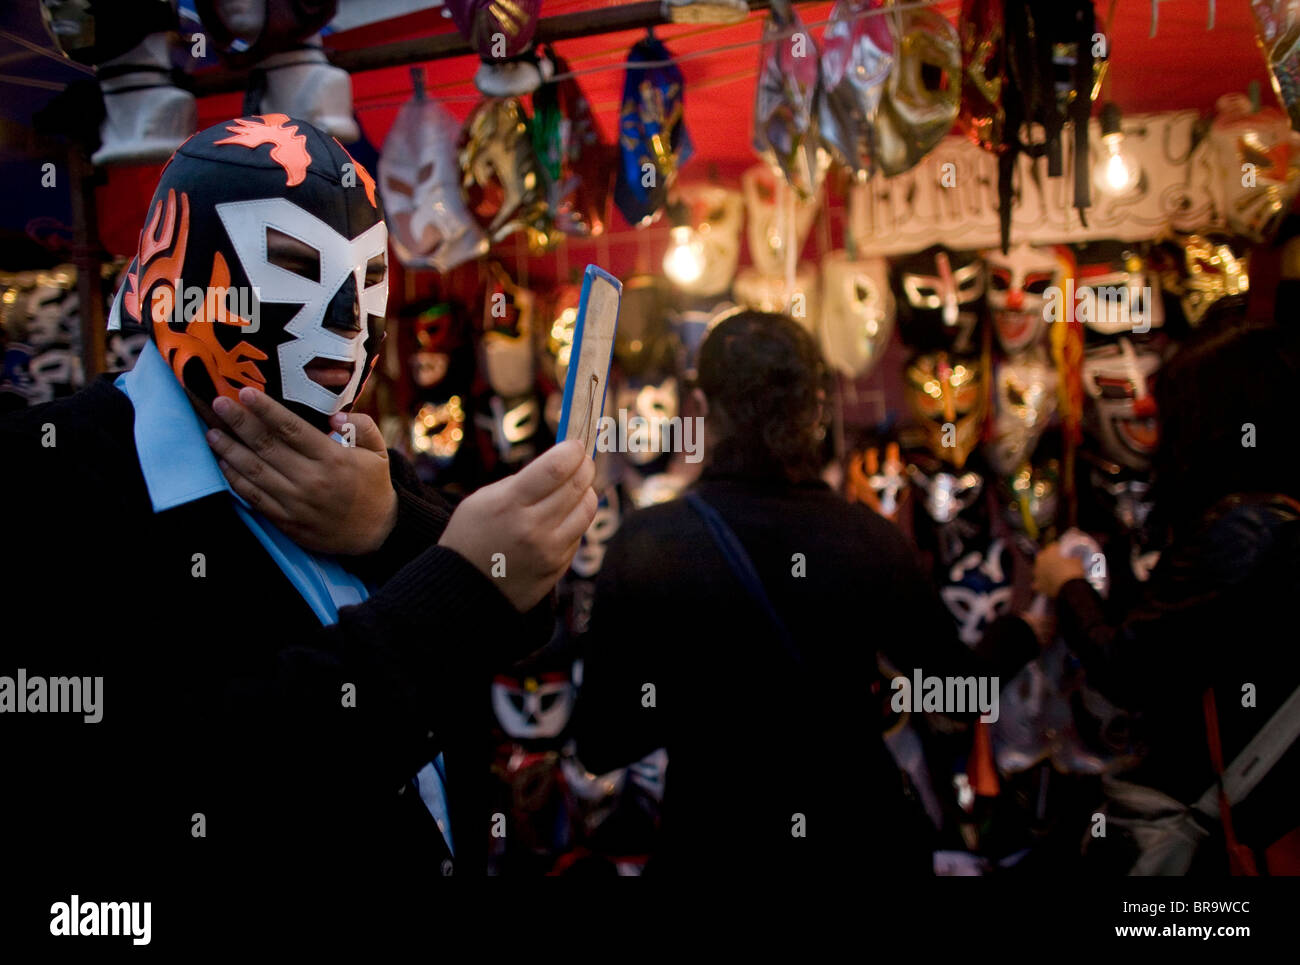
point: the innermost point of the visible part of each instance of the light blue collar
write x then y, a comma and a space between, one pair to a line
177, 464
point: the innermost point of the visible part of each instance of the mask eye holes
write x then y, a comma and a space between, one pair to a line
287, 252
999, 279
425, 173
376, 270
1037, 283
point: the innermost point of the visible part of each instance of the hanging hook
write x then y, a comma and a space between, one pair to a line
1213, 6
417, 82
1155, 18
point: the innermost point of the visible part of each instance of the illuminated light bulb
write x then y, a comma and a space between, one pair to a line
684, 260
1116, 173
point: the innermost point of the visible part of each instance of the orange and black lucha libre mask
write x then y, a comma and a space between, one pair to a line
263, 262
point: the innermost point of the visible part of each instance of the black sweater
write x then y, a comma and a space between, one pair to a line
223, 695
751, 741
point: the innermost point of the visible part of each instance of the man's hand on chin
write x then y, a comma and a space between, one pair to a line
326, 497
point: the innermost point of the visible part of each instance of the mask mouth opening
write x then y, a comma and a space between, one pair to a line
331, 374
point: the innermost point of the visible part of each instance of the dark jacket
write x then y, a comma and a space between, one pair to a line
752, 740
1219, 611
223, 694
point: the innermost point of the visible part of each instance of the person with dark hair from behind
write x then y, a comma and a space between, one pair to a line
776, 761
1218, 614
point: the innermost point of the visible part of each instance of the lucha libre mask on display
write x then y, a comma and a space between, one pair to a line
775, 218
568, 145
947, 395
502, 34
283, 271
979, 590
923, 90
857, 313
591, 553
940, 296
944, 495
1259, 166
713, 221
1114, 292
857, 57
652, 132
785, 100
508, 337
1019, 282
531, 707
1120, 410
439, 332
1025, 399
501, 179
513, 424
420, 180
982, 38
883, 487
657, 404
1207, 273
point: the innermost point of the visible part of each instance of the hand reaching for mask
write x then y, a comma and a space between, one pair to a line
326, 497
535, 519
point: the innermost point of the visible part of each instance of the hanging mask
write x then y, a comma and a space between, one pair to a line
1277, 29
1025, 396
923, 92
883, 487
591, 554
1030, 497
1259, 162
439, 331
979, 591
1114, 290
1019, 283
947, 395
502, 33
508, 338
945, 495
712, 217
283, 270
940, 297
531, 707
652, 139
785, 100
858, 314
501, 179
438, 430
1206, 273
770, 224
857, 57
1120, 411
568, 145
419, 177
513, 424
657, 404
983, 72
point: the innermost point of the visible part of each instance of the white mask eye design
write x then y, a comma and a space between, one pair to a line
311, 283
533, 708
591, 554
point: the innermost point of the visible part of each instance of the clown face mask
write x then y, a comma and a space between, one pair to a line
263, 264
857, 312
947, 395
1019, 282
940, 299
1120, 411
